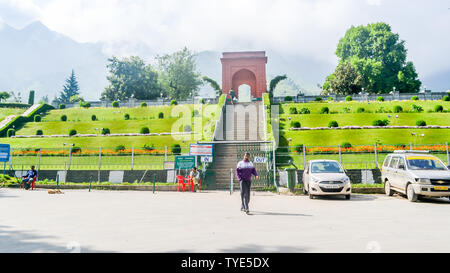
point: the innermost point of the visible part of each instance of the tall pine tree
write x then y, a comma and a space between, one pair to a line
70, 89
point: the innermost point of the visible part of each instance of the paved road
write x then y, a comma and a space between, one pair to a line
212, 222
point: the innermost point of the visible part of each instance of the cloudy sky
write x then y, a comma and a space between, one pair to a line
297, 27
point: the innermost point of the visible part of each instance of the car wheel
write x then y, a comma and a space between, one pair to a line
412, 196
387, 189
347, 197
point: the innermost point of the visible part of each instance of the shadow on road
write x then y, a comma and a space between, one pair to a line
277, 213
16, 241
354, 197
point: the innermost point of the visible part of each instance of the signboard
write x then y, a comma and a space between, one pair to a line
201, 149
169, 165
260, 160
206, 159
5, 150
184, 162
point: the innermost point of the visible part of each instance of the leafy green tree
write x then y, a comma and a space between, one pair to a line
4, 96
213, 84
69, 89
379, 56
76, 98
179, 76
345, 80
274, 82
131, 77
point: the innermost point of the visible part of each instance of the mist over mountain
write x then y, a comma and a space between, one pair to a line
37, 58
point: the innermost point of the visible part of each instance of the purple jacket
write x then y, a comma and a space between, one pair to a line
244, 171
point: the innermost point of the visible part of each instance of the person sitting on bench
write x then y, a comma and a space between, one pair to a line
28, 178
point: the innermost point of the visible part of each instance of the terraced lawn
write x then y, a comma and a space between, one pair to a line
4, 112
338, 107
364, 119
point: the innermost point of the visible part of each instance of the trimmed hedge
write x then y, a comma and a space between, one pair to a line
333, 123
39, 132
325, 110
176, 149
93, 117
438, 108
295, 124
161, 115
37, 118
348, 98
398, 109
380, 98
145, 130
173, 102
106, 131
144, 104
72, 132
126, 116
11, 132
446, 98
63, 118
14, 105
414, 98
421, 123
115, 104
62, 106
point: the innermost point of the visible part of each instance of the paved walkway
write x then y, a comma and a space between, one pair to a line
212, 222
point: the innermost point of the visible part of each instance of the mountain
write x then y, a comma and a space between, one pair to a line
37, 58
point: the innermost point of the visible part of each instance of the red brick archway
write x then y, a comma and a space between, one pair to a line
244, 68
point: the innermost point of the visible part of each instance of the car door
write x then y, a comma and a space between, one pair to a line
392, 172
306, 177
402, 174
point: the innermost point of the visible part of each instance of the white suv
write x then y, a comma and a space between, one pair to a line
415, 173
325, 177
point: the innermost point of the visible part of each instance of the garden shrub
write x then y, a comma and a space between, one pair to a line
318, 99
93, 117
119, 148
126, 116
173, 102
295, 124
346, 110
421, 123
416, 108
380, 98
85, 104
161, 115
325, 110
148, 147
299, 148
106, 131
380, 122
63, 118
398, 109
144, 104
333, 123
288, 98
348, 98
37, 118
414, 98
360, 110
145, 130
72, 132
11, 132
305, 111
115, 104
62, 106
446, 98
346, 145
438, 108
39, 132
76, 150
293, 111
202, 101
176, 149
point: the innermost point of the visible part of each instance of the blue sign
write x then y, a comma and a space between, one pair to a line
5, 150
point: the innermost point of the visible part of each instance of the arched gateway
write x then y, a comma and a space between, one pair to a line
247, 68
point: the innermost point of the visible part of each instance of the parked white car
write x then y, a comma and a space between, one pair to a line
415, 174
326, 177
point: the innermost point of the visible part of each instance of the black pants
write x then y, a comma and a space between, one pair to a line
245, 193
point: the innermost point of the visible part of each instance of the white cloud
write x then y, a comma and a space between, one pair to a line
296, 27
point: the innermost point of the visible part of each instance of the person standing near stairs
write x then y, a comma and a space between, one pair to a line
244, 172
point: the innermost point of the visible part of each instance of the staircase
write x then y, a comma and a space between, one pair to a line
243, 123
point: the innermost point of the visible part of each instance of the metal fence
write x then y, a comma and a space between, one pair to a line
354, 157
100, 158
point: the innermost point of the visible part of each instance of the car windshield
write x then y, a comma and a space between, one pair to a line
326, 167
425, 163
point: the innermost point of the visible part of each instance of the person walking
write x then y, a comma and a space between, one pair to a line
244, 172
